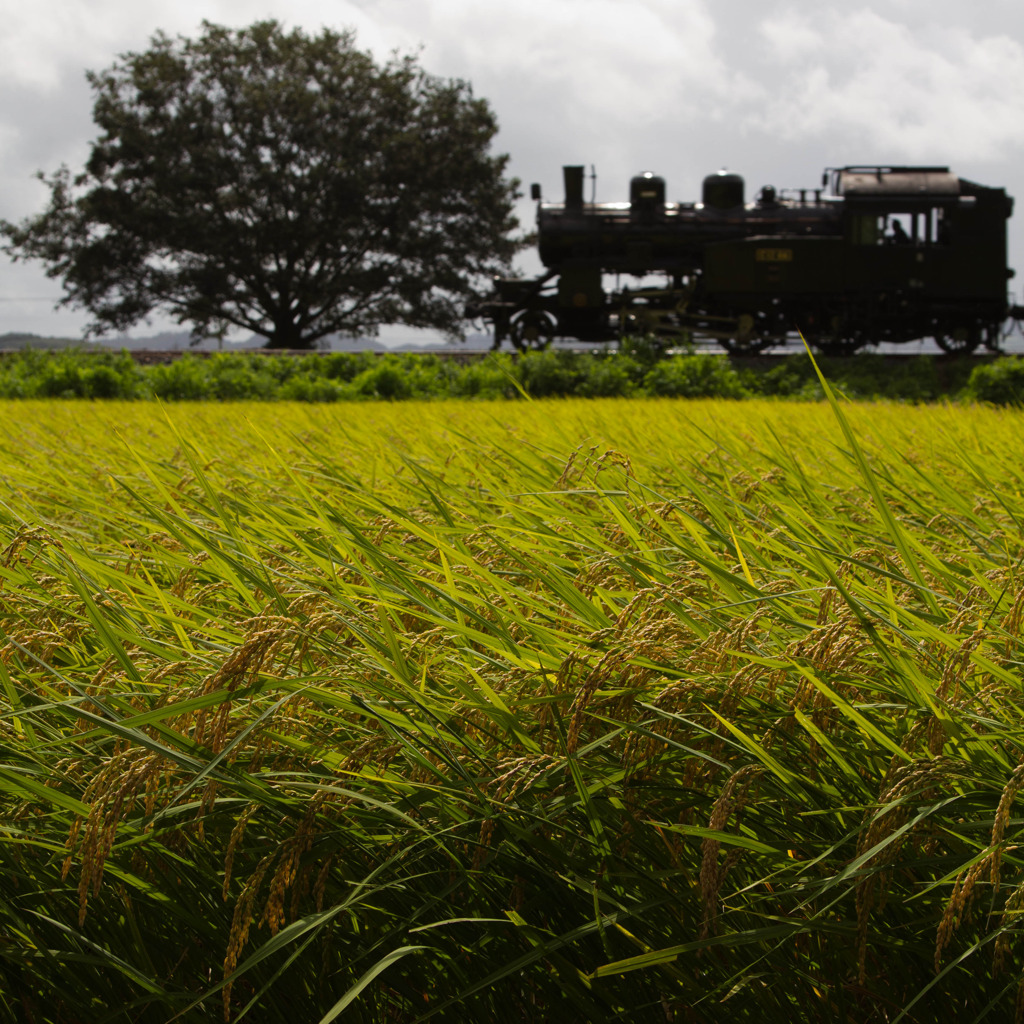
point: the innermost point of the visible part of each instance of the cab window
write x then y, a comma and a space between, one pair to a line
918, 227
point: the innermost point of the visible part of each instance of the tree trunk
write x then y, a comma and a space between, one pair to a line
287, 335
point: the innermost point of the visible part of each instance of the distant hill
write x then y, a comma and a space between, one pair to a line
175, 341
15, 340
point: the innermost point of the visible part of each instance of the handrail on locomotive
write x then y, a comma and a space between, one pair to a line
877, 253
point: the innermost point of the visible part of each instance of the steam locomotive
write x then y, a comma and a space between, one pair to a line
877, 253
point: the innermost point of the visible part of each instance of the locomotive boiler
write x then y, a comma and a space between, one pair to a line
877, 253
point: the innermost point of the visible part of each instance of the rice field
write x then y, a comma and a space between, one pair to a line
549, 711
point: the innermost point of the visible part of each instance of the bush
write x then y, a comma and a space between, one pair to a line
1000, 382
701, 376
428, 376
494, 377
870, 375
312, 389
549, 374
385, 379
277, 368
238, 379
343, 366
113, 375
610, 376
646, 349
183, 380
60, 377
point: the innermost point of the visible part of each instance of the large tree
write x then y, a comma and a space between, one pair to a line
279, 183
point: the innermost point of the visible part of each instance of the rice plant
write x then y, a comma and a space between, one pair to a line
603, 711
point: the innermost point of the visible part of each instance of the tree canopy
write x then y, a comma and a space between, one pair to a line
280, 183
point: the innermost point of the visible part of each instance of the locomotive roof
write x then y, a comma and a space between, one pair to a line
896, 181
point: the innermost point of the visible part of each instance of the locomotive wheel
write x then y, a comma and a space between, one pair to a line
745, 347
835, 336
961, 341
749, 339
829, 346
532, 329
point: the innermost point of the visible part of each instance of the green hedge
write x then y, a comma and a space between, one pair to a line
364, 376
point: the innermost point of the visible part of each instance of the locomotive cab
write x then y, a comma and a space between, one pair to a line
926, 253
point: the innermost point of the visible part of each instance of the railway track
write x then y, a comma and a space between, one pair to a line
153, 357
1013, 346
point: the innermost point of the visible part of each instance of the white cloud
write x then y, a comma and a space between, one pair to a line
621, 59
44, 40
912, 94
790, 37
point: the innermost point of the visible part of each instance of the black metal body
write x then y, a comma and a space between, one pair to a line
876, 254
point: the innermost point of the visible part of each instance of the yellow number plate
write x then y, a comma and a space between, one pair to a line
773, 255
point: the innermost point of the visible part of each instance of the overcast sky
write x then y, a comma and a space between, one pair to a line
773, 90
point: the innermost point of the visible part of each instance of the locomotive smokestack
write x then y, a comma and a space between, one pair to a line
573, 189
